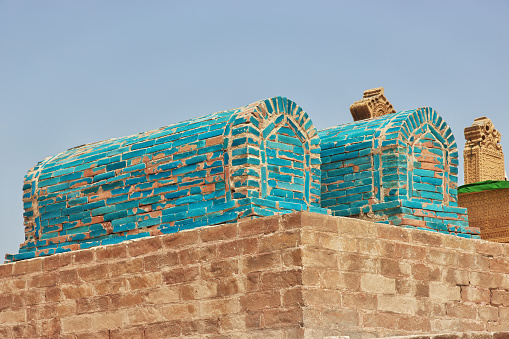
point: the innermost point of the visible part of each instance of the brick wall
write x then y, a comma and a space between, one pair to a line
291, 276
398, 168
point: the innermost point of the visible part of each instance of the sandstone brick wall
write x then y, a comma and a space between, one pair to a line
292, 276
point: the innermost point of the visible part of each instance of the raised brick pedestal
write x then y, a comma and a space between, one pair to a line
300, 275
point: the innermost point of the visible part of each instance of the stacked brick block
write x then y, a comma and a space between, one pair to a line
248, 162
398, 168
300, 275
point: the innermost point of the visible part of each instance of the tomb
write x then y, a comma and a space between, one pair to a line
396, 168
248, 162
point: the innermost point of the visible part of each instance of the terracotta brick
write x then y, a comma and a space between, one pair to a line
218, 307
45, 279
163, 295
66, 308
460, 310
144, 315
425, 272
93, 273
108, 320
6, 301
194, 255
39, 312
392, 233
394, 268
93, 335
218, 269
499, 265
407, 251
83, 257
320, 258
293, 297
50, 328
397, 304
262, 262
219, 232
278, 241
500, 297
68, 276
281, 279
179, 275
180, 311
6, 270
488, 313
370, 247
199, 290
180, 239
291, 220
380, 319
110, 286
414, 324
276, 318
442, 257
427, 238
115, 251
441, 291
144, 246
95, 304
237, 247
144, 281
355, 227
473, 261
321, 297
357, 263
485, 279
227, 287
331, 279
77, 291
359, 300
260, 300
373, 283
125, 300
163, 330
126, 266
76, 324
27, 266
202, 326
504, 313
131, 333
52, 294
232, 322
292, 258
455, 276
489, 248
320, 222
264, 225
475, 294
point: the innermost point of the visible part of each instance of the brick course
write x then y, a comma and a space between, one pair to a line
300, 275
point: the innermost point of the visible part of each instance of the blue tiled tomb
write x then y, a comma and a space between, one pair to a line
253, 161
399, 169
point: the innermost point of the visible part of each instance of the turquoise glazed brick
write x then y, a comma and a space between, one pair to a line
404, 156
203, 171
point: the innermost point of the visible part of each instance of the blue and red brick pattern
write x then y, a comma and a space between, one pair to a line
248, 162
399, 169
254, 161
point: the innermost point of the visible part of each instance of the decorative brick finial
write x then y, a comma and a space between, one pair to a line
483, 156
373, 104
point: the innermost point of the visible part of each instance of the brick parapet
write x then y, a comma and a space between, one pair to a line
300, 275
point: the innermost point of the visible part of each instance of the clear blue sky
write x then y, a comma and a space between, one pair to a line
75, 72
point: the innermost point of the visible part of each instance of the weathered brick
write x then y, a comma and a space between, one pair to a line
373, 283
265, 225
144, 246
256, 301
217, 233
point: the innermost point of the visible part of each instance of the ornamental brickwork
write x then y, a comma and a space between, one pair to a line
483, 156
373, 104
